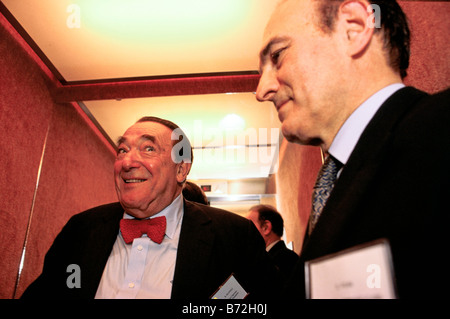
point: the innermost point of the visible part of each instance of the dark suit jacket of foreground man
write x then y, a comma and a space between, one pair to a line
395, 185
213, 244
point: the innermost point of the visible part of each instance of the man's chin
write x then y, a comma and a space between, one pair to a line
290, 136
293, 138
133, 209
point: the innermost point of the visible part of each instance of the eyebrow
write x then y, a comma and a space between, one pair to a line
123, 139
272, 42
120, 140
265, 52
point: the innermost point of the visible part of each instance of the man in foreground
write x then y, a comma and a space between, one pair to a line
335, 78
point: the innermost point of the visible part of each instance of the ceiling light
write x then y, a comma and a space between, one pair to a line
232, 122
162, 21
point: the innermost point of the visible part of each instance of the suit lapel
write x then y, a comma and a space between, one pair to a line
358, 173
101, 240
194, 251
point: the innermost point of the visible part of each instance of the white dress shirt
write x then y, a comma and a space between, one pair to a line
349, 134
272, 244
143, 269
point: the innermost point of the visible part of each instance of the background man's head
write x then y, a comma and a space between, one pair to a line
268, 221
194, 193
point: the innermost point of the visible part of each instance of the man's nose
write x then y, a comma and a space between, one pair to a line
267, 86
130, 160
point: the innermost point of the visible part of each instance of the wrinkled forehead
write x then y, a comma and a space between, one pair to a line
289, 19
153, 131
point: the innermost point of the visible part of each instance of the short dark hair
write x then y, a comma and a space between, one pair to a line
394, 25
159, 120
268, 212
194, 193
171, 125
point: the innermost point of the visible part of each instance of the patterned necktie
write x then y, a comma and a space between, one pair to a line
322, 189
155, 228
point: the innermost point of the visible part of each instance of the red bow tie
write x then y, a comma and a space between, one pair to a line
155, 229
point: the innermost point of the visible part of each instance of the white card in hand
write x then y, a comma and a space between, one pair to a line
230, 289
362, 272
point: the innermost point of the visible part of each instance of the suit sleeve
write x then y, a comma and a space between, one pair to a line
51, 284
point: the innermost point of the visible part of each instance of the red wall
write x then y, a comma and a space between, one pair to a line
429, 68
77, 167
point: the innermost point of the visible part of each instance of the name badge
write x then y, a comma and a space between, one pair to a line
361, 272
230, 289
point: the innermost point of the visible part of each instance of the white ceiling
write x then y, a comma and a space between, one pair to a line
103, 40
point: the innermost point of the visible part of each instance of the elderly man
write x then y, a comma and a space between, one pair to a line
153, 243
334, 74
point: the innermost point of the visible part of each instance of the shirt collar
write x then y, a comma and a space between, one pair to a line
173, 214
349, 134
272, 244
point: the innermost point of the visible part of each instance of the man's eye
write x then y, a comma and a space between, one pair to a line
121, 151
149, 148
276, 55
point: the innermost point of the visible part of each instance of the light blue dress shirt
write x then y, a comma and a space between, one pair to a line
143, 269
349, 134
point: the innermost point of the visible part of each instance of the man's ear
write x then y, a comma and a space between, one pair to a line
266, 227
183, 170
356, 20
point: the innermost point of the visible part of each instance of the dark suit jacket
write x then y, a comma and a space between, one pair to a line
395, 185
213, 244
284, 258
